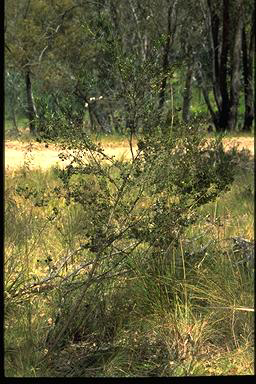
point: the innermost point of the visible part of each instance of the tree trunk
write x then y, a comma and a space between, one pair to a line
139, 34
226, 85
214, 28
219, 65
31, 108
224, 57
224, 107
235, 75
248, 76
202, 85
187, 94
171, 26
15, 129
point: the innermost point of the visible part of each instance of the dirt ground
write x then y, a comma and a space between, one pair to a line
40, 156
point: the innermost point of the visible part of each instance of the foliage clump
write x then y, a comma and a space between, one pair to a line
152, 199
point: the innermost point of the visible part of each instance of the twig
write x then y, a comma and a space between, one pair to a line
51, 277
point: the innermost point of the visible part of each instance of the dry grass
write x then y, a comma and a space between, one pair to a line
16, 151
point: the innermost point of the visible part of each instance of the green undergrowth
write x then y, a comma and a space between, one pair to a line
188, 315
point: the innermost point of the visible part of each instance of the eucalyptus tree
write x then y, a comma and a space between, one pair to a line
224, 24
248, 54
30, 27
127, 48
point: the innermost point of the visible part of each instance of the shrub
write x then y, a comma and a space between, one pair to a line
138, 210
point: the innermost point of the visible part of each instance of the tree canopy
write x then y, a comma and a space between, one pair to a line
102, 64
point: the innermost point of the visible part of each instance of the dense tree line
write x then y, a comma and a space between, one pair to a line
112, 65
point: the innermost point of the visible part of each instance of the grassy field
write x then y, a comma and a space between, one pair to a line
190, 320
